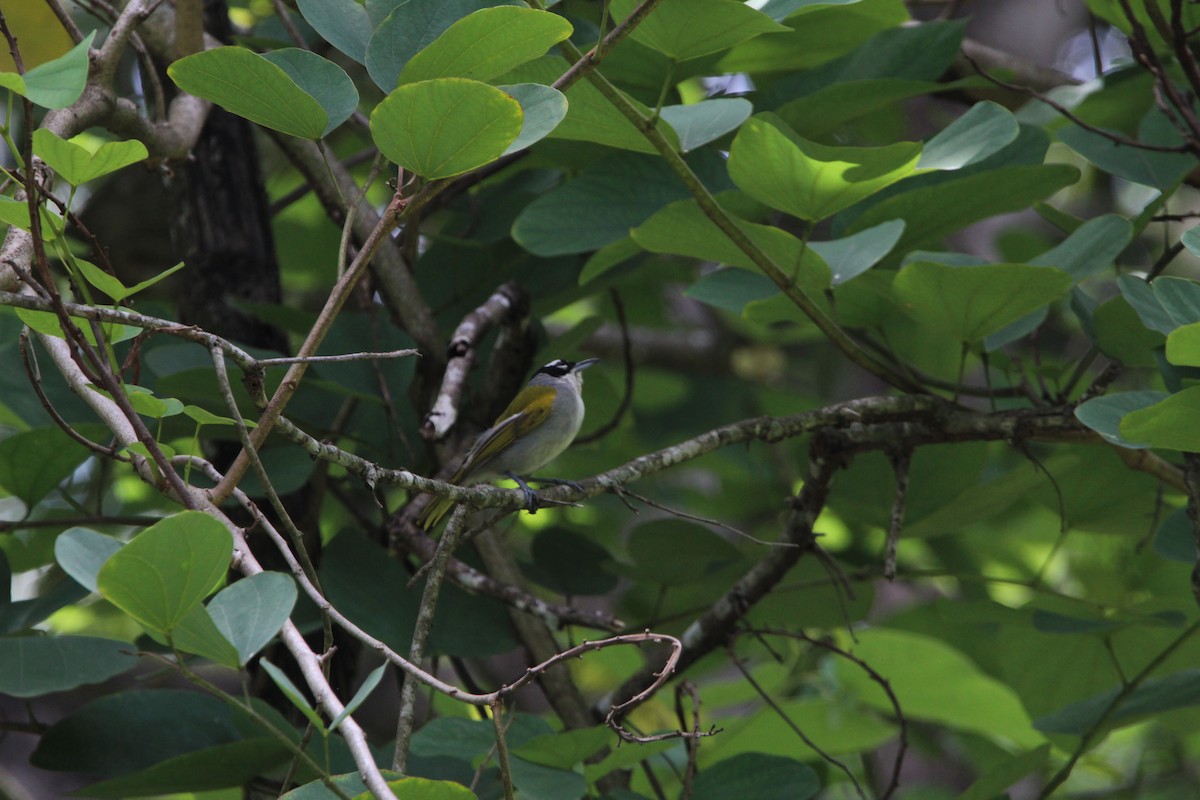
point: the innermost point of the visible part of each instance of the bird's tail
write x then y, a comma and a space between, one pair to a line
434, 512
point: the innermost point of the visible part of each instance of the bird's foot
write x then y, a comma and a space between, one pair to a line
531, 499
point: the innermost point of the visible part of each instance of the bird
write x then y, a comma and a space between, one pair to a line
539, 423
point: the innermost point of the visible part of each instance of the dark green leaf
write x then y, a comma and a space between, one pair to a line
599, 207
1156, 695
81, 553
129, 731
855, 254
1156, 169
568, 563
33, 462
933, 212
700, 123
343, 23
543, 108
37, 665
321, 79
732, 288
251, 611
673, 552
1175, 539
218, 767
759, 776
1104, 414
1090, 248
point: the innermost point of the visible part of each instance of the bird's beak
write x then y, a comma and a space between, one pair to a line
587, 362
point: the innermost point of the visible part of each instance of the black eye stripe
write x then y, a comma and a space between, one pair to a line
557, 368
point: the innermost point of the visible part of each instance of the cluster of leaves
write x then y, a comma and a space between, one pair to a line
770, 253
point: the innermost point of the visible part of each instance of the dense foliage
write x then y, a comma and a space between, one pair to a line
886, 486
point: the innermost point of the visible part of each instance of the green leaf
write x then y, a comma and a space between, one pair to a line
815, 38
934, 212
1172, 424
16, 212
674, 552
408, 28
1191, 240
294, 694
77, 164
700, 123
599, 207
1008, 771
983, 130
47, 322
342, 23
168, 569
1149, 168
1175, 299
565, 749
1183, 345
731, 289
129, 731
424, 789
968, 303
360, 697
570, 564
351, 783
756, 775
1174, 539
936, 682
1181, 690
683, 229
683, 29
223, 766
829, 107
808, 180
58, 83
33, 462
250, 86
37, 665
197, 634
1104, 414
543, 107
855, 254
445, 127
205, 417
486, 44
81, 553
590, 116
1090, 248
251, 611
321, 79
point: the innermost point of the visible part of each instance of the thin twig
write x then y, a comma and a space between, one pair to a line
783, 715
